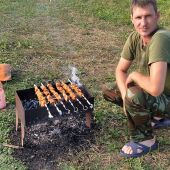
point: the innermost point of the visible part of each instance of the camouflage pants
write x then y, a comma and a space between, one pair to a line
140, 109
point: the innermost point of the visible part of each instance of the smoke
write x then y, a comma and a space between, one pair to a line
74, 77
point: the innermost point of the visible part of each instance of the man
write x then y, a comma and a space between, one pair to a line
146, 91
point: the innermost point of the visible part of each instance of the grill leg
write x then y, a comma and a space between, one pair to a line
88, 119
22, 133
16, 120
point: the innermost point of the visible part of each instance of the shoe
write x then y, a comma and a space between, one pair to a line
112, 95
162, 123
135, 146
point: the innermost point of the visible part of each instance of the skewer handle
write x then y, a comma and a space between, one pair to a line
59, 111
49, 113
65, 107
84, 107
91, 105
75, 108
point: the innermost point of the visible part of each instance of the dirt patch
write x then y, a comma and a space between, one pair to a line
56, 44
52, 140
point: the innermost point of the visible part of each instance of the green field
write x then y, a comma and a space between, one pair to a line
41, 39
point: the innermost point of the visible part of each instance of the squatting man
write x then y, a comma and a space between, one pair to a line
145, 92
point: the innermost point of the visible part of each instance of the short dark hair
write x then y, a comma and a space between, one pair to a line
142, 3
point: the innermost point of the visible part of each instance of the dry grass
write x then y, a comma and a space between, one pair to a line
45, 43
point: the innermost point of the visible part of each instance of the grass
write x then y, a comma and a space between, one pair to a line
40, 39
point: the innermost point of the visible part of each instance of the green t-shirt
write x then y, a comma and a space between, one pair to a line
158, 49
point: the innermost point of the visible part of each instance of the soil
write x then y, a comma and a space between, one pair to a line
93, 50
48, 142
44, 46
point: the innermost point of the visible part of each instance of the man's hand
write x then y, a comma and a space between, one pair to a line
129, 79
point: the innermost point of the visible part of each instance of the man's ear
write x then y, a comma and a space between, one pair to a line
131, 17
158, 15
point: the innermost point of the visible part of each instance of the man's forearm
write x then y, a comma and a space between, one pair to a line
121, 75
121, 82
152, 86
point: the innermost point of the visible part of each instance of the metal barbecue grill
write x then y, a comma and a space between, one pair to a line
29, 111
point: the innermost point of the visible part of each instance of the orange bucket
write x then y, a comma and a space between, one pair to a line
5, 72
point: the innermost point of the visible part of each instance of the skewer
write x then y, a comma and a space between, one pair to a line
72, 95
66, 98
49, 113
91, 105
79, 92
84, 107
65, 107
75, 108
57, 96
42, 100
59, 111
49, 98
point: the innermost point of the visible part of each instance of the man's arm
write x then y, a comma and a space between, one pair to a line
155, 82
121, 75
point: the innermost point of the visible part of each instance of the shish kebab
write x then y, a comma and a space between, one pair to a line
57, 96
79, 92
72, 95
66, 98
50, 98
42, 100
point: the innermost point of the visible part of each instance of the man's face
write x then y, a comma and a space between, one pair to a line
145, 19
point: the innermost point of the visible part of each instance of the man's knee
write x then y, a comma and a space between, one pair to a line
135, 96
